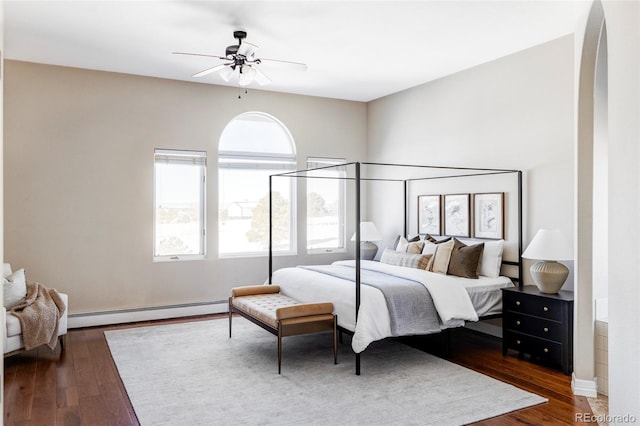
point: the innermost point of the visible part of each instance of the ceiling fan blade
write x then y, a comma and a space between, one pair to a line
248, 50
261, 78
209, 70
199, 54
298, 66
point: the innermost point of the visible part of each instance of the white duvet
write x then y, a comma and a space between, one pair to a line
449, 296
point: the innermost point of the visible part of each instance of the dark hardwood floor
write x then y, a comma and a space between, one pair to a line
81, 386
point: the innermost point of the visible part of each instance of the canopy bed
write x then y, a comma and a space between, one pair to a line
387, 298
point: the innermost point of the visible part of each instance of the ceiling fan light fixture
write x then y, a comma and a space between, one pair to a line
226, 73
247, 74
242, 61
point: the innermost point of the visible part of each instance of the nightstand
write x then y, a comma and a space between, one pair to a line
538, 324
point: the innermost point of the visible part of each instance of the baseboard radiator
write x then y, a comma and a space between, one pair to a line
92, 319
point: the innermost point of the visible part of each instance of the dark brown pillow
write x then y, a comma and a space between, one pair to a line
444, 240
465, 259
430, 238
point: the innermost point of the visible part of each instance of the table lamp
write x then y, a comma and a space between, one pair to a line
368, 233
549, 246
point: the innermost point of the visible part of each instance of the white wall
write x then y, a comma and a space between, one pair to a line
1, 167
600, 177
623, 33
516, 112
79, 178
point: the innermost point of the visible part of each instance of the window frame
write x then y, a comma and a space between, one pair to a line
182, 156
342, 196
255, 160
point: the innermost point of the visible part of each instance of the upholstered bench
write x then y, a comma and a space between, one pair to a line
281, 315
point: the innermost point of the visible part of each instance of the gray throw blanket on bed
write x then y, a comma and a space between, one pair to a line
411, 308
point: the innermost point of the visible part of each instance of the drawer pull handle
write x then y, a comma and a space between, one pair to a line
517, 322
546, 350
545, 309
518, 302
517, 342
546, 330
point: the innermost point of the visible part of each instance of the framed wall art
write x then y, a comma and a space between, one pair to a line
429, 214
456, 215
488, 215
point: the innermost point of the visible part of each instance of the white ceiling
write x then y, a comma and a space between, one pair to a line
357, 50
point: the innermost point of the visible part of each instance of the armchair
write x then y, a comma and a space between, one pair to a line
12, 336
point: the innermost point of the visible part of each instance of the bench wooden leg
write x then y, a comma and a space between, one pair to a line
335, 339
279, 346
230, 316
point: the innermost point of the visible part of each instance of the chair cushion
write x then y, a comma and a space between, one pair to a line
13, 326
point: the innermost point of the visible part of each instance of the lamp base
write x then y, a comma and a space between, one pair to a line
549, 275
368, 250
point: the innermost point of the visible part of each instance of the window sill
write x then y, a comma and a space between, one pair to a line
327, 251
179, 258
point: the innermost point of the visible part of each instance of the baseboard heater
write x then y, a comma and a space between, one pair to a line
92, 319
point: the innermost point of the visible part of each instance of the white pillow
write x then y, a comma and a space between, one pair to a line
6, 270
429, 247
491, 260
402, 244
15, 289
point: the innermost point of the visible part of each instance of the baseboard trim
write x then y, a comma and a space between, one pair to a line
93, 319
582, 387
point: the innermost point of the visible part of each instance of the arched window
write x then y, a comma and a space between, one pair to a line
253, 146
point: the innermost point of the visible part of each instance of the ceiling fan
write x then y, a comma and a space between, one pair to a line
242, 58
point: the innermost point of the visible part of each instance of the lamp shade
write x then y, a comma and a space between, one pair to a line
548, 244
368, 232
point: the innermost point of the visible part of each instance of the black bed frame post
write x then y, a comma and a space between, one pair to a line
270, 229
406, 209
357, 255
520, 233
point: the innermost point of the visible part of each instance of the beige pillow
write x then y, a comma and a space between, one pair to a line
413, 247
15, 289
442, 256
397, 258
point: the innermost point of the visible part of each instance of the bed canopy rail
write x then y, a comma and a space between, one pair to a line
408, 177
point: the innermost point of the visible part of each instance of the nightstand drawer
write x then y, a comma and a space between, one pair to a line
546, 329
539, 348
538, 306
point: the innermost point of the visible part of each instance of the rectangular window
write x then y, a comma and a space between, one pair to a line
244, 206
326, 205
179, 204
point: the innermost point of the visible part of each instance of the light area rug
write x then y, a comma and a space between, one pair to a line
193, 374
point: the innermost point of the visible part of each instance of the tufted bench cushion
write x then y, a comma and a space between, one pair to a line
280, 314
